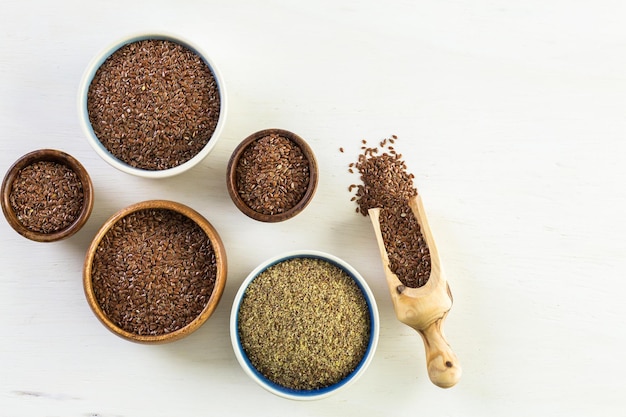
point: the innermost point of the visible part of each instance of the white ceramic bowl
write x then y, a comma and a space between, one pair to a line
93, 66
294, 394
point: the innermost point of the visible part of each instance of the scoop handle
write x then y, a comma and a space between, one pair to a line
443, 366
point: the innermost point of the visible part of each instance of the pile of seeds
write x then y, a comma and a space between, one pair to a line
272, 175
46, 196
154, 104
154, 272
304, 324
387, 184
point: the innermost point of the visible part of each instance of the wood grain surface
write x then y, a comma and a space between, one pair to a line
511, 116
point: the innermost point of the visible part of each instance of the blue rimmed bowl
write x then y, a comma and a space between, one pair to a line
318, 393
98, 146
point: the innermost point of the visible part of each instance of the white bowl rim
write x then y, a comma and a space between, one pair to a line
324, 392
88, 75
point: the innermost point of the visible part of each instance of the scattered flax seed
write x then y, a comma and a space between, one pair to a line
46, 196
154, 272
304, 323
154, 104
341, 150
272, 175
387, 184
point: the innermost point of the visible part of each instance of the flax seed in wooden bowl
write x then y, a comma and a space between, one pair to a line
155, 272
152, 105
272, 175
47, 195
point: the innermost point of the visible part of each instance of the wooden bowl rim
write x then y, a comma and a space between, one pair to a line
220, 279
49, 155
231, 176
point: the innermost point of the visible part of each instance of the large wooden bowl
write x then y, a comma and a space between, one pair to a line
209, 308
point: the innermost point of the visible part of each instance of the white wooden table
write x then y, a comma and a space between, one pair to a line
511, 115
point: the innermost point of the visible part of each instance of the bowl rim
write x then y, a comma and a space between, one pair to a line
220, 279
93, 140
305, 395
231, 176
49, 155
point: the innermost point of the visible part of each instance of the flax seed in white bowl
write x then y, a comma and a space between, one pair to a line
152, 105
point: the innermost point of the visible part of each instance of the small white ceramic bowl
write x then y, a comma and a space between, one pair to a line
87, 78
295, 394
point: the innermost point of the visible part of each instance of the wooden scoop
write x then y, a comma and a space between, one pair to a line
424, 308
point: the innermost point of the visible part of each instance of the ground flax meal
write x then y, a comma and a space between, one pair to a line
304, 323
387, 184
154, 104
154, 272
47, 196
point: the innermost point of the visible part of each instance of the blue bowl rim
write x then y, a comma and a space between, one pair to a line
90, 72
291, 393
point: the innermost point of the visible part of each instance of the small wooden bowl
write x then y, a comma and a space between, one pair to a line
209, 308
48, 155
231, 179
